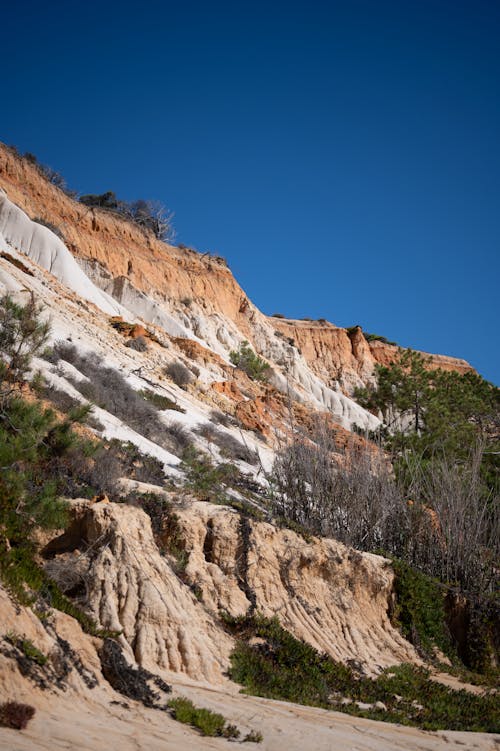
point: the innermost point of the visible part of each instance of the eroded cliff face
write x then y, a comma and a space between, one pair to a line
195, 296
323, 592
345, 357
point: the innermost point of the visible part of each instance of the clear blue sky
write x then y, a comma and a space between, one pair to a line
343, 156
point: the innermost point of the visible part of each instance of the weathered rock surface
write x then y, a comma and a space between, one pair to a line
323, 592
131, 588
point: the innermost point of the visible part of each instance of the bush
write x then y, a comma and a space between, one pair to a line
139, 344
270, 662
207, 722
378, 338
203, 478
222, 418
15, 715
160, 402
179, 374
230, 447
254, 366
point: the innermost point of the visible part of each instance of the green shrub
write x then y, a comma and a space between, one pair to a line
420, 610
203, 478
207, 722
254, 366
279, 666
27, 648
378, 338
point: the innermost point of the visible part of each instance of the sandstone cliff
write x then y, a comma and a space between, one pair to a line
195, 296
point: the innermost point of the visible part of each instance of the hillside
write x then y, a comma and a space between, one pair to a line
173, 554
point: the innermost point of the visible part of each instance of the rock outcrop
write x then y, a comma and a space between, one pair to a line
323, 592
132, 589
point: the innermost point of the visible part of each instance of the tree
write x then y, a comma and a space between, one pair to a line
152, 215
434, 410
22, 335
31, 437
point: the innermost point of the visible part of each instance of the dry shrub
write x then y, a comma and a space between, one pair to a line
230, 447
15, 715
139, 344
179, 374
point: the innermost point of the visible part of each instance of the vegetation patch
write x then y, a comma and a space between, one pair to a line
419, 610
254, 366
207, 722
279, 666
378, 338
179, 374
160, 402
133, 682
205, 479
15, 715
27, 647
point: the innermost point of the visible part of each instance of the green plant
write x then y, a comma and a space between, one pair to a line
207, 722
378, 338
205, 479
254, 366
420, 610
268, 661
27, 647
254, 736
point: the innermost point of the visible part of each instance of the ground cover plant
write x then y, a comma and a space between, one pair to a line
207, 722
268, 661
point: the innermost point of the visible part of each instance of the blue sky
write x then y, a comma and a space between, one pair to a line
343, 156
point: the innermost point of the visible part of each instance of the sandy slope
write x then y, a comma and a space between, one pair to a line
285, 727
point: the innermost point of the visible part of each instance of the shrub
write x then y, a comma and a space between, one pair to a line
115, 459
420, 610
63, 401
222, 418
278, 315
15, 715
160, 402
139, 344
254, 736
254, 366
179, 435
277, 665
230, 447
207, 722
378, 338
27, 647
203, 478
179, 374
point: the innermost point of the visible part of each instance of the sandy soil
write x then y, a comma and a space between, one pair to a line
102, 726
